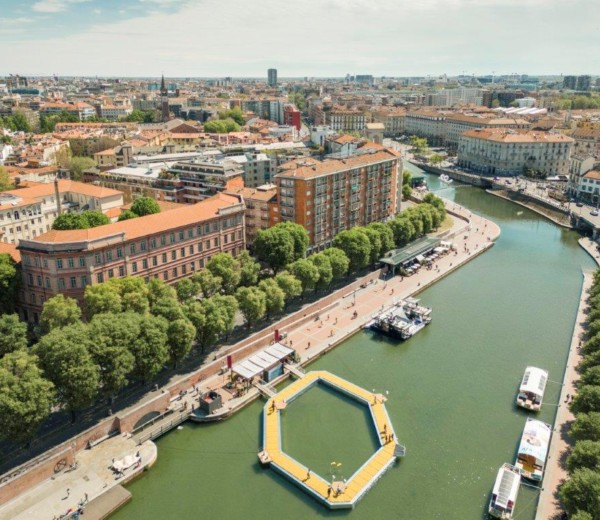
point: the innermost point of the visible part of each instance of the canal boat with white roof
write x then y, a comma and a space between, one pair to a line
504, 494
533, 386
533, 449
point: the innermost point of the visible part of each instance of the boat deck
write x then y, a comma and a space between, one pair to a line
336, 495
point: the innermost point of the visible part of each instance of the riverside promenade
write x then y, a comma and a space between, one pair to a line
549, 507
472, 235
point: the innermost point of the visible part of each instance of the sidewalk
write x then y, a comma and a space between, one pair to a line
310, 339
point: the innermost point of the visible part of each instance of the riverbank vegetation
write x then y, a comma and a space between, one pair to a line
580, 494
132, 330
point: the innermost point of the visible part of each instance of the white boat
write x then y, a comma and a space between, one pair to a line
533, 449
445, 178
533, 386
504, 494
403, 320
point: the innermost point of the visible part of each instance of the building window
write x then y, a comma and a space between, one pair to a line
143, 245
61, 283
192, 266
134, 267
82, 261
201, 263
132, 249
175, 272
181, 237
184, 269
39, 280
216, 241
121, 271
29, 279
84, 281
190, 233
192, 249
198, 230
165, 276
199, 247
119, 252
45, 263
153, 243
164, 258
182, 252
207, 245
154, 261
145, 263
111, 273
48, 286
100, 277
73, 282
98, 260
109, 256
173, 255
163, 240
172, 238
70, 262
59, 263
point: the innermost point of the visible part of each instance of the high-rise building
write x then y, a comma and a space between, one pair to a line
584, 83
570, 82
272, 77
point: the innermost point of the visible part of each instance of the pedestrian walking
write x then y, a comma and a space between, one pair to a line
68, 491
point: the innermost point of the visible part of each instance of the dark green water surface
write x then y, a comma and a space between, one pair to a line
451, 394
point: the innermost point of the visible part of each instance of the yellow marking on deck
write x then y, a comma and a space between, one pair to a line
364, 478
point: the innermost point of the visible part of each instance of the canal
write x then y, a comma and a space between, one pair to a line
451, 392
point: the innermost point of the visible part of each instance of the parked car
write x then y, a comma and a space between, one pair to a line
594, 213
579, 204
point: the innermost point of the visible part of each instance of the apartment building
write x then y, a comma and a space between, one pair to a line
292, 116
271, 109
29, 212
498, 151
169, 246
393, 121
339, 118
81, 110
456, 124
455, 96
258, 168
588, 187
329, 196
427, 123
261, 212
587, 139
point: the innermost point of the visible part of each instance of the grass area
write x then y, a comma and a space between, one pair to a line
446, 225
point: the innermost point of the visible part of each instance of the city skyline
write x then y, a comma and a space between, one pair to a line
212, 39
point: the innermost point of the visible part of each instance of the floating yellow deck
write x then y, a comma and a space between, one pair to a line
336, 495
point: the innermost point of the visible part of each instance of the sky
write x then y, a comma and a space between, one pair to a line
315, 38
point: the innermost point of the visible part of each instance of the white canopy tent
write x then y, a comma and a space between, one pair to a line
261, 361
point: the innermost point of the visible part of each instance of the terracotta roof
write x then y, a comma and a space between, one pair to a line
43, 189
516, 136
11, 250
592, 174
256, 194
143, 226
309, 168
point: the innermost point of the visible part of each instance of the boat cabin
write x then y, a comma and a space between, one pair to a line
533, 386
504, 494
533, 449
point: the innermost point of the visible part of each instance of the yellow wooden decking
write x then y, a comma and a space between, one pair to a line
315, 484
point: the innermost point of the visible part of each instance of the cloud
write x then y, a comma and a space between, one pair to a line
97, 11
54, 6
16, 21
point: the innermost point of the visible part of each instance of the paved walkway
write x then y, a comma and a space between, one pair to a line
310, 340
548, 505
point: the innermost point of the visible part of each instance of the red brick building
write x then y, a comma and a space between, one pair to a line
170, 246
291, 116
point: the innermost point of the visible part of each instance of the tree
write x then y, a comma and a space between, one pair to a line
133, 292
415, 219
227, 268
65, 358
158, 290
145, 206
13, 334
339, 262
101, 299
591, 376
589, 360
419, 144
95, 218
356, 246
235, 114
323, 264
437, 203
586, 427
581, 515
299, 235
585, 454
229, 306
252, 303
289, 284
112, 334
6, 182
59, 311
20, 122
275, 297
187, 290
169, 309
221, 126
26, 397
587, 400
180, 338
250, 269
9, 283
126, 215
150, 349
581, 492
275, 246
212, 318
208, 283
436, 159
386, 236
78, 164
374, 241
593, 328
70, 221
306, 272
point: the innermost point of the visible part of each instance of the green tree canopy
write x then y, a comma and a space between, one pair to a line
126, 215
211, 319
101, 299
65, 358
299, 235
234, 114
59, 311
587, 400
374, 241
145, 206
585, 454
78, 164
180, 338
6, 182
419, 144
591, 376
289, 284
169, 309
133, 292
252, 303
275, 297
13, 334
227, 268
208, 283
305, 271
581, 515
221, 126
275, 246
187, 290
9, 283
111, 336
339, 262
26, 397
323, 264
586, 427
356, 246
95, 218
386, 236
581, 492
250, 269
149, 349
85, 220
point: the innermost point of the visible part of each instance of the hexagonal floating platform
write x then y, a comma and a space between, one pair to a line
336, 495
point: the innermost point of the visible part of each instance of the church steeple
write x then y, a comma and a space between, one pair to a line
164, 100
163, 88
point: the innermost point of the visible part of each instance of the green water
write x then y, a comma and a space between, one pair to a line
451, 393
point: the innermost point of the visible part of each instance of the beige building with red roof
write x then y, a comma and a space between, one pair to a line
169, 246
29, 212
511, 152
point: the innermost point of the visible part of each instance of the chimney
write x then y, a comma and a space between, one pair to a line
57, 195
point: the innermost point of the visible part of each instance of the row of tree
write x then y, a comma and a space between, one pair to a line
580, 494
